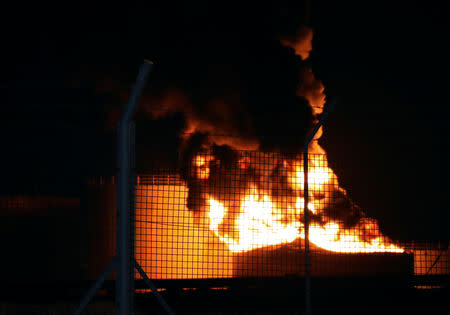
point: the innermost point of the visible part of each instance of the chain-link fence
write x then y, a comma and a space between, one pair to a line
242, 216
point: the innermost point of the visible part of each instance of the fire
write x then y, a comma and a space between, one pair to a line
266, 208
202, 169
259, 220
330, 237
259, 224
317, 177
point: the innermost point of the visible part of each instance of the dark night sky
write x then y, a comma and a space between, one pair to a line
67, 69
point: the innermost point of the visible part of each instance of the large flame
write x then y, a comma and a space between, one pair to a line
255, 217
260, 221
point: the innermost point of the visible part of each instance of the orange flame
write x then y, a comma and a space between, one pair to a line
259, 224
262, 222
202, 168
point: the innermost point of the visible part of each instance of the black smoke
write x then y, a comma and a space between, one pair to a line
235, 77
240, 87
225, 70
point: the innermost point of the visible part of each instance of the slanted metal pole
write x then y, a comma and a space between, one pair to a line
150, 284
125, 267
316, 128
97, 284
123, 261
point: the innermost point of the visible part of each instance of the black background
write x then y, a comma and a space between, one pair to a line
66, 70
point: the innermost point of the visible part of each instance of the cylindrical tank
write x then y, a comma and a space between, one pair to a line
168, 243
289, 259
171, 244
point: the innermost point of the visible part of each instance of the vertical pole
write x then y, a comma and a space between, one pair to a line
306, 218
124, 259
123, 303
310, 138
132, 191
125, 146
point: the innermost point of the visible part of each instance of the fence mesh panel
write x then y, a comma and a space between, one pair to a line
229, 214
241, 214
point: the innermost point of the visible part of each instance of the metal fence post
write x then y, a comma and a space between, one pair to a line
316, 128
125, 267
306, 219
123, 262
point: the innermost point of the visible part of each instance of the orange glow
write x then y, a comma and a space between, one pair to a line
302, 45
206, 257
259, 224
317, 177
262, 222
256, 217
201, 167
330, 237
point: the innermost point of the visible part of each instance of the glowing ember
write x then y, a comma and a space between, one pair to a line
202, 167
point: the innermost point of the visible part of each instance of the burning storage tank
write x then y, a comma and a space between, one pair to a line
234, 205
168, 243
172, 242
